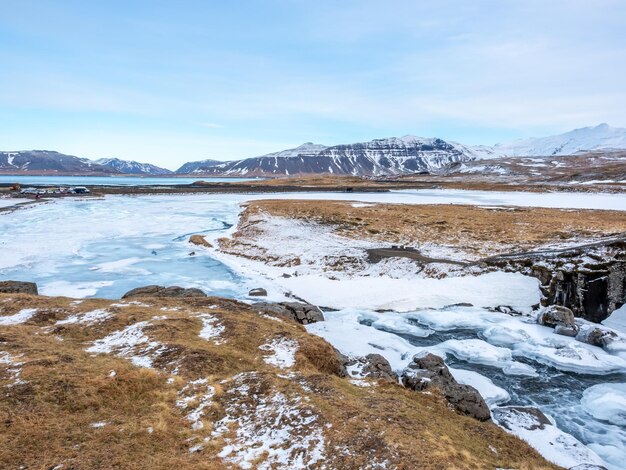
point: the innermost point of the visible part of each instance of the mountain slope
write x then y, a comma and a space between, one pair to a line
197, 167
33, 161
131, 167
408, 154
601, 137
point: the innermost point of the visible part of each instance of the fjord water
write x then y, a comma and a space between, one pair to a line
103, 247
54, 180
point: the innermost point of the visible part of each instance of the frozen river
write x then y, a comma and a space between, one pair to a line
105, 247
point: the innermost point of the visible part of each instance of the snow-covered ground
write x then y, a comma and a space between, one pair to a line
105, 247
11, 201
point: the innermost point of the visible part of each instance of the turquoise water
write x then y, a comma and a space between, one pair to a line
111, 180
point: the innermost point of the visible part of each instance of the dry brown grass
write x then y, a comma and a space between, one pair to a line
47, 420
474, 230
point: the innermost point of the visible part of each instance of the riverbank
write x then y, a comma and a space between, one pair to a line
106, 246
208, 383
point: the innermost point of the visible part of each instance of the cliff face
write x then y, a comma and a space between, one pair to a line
591, 280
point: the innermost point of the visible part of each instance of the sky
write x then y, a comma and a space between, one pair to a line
168, 82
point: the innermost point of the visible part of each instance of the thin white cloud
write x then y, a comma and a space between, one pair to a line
211, 125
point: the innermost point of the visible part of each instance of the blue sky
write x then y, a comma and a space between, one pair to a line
169, 82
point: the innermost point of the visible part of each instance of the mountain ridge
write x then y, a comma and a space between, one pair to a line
132, 167
378, 157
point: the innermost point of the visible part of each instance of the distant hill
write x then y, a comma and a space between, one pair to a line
45, 161
601, 137
197, 167
131, 167
378, 157
407, 154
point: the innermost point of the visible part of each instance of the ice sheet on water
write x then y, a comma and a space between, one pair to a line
350, 332
606, 402
105, 247
480, 352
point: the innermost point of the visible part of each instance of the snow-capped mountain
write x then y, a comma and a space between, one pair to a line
378, 157
200, 166
48, 161
307, 149
601, 137
304, 150
408, 154
131, 167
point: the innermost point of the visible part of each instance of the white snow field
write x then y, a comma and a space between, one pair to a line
12, 201
105, 247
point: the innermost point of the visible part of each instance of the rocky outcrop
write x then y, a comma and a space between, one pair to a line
590, 280
161, 291
563, 321
372, 366
430, 371
514, 416
596, 335
258, 292
555, 315
299, 311
200, 241
18, 287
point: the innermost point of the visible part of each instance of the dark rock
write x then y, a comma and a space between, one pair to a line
590, 280
343, 360
431, 371
514, 416
378, 367
258, 292
18, 287
161, 291
596, 336
556, 315
566, 330
372, 366
505, 309
299, 311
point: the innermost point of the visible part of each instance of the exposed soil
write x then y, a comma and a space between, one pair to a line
476, 231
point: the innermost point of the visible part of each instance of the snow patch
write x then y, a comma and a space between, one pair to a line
283, 352
87, 318
20, 317
211, 328
130, 343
